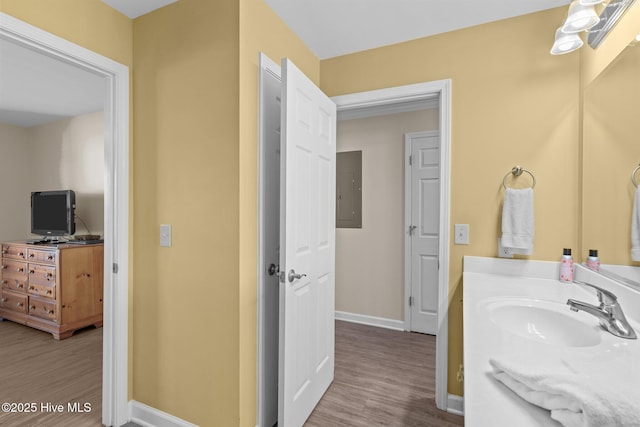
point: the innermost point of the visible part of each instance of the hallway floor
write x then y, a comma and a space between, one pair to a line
382, 378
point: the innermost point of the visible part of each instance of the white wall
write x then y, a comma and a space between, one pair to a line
64, 155
369, 261
14, 182
70, 156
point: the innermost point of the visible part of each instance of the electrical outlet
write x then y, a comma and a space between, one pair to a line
504, 252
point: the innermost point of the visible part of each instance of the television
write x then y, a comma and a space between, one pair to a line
53, 213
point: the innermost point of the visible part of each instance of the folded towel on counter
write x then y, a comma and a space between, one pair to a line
635, 228
517, 220
574, 397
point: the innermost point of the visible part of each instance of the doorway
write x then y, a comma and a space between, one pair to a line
116, 200
269, 130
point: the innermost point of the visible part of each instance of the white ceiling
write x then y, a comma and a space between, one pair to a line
338, 27
35, 89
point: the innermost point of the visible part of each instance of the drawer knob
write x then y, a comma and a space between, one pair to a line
3, 300
49, 311
32, 271
4, 267
19, 304
20, 285
33, 307
19, 269
4, 282
20, 253
32, 255
4, 251
49, 257
31, 288
48, 291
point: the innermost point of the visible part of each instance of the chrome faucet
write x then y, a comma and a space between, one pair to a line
608, 312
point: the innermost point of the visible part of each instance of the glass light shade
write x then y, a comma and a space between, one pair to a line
590, 2
580, 18
565, 42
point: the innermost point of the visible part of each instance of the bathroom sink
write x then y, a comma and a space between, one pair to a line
543, 321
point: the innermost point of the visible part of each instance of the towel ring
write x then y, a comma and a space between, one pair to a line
517, 171
633, 176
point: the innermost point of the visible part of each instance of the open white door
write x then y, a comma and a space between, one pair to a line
307, 246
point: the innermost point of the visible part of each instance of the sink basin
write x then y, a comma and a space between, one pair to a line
543, 321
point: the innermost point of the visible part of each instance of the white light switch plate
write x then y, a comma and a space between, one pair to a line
165, 235
461, 232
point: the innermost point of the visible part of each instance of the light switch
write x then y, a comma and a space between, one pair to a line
461, 232
165, 235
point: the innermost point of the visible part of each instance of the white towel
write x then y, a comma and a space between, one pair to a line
517, 220
635, 228
592, 397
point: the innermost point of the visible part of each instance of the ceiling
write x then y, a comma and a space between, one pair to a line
36, 89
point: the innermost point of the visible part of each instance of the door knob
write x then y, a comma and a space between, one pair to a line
273, 269
294, 276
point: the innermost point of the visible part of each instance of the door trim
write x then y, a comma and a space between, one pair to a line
440, 89
115, 409
407, 222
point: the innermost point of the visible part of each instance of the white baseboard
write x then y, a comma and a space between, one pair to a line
146, 416
370, 320
455, 404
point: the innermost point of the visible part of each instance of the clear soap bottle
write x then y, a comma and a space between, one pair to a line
593, 262
566, 266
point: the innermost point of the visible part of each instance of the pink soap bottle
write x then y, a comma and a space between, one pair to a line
593, 262
566, 266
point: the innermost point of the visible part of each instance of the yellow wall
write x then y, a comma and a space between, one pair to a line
186, 300
513, 103
261, 30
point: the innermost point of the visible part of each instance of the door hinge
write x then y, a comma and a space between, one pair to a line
410, 301
115, 267
410, 160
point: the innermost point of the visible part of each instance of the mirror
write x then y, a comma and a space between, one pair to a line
611, 152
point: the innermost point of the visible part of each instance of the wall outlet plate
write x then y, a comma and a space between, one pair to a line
502, 251
461, 234
165, 235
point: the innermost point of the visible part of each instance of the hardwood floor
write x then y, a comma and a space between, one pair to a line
36, 370
382, 378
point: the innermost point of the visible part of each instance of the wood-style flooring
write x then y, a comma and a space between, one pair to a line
382, 378
38, 373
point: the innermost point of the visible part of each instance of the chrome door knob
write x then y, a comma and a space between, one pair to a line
294, 276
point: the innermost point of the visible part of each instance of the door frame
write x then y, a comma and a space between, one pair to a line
420, 92
408, 222
115, 332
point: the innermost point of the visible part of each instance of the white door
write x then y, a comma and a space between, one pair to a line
424, 165
307, 246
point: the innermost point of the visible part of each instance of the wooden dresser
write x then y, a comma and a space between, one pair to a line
54, 288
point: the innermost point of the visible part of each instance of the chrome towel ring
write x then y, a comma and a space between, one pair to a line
517, 171
633, 176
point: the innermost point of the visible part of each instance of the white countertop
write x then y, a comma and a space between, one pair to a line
488, 281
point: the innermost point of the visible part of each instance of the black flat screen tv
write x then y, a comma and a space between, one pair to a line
53, 213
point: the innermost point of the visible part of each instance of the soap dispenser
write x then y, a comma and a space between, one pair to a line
566, 266
593, 262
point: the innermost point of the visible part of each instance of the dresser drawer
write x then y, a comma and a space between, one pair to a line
14, 252
43, 308
14, 302
42, 256
14, 270
45, 290
41, 274
15, 285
